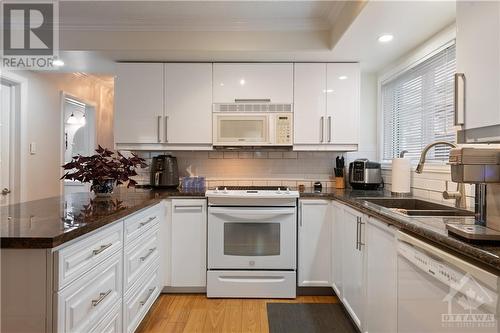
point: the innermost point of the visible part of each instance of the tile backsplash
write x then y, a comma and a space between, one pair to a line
271, 168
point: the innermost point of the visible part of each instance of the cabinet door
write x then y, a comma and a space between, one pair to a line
342, 103
336, 247
138, 103
314, 243
478, 35
189, 234
253, 81
381, 303
353, 295
309, 103
188, 100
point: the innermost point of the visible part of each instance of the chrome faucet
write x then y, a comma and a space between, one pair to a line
459, 196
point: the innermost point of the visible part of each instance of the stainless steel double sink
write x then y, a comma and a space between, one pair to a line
417, 207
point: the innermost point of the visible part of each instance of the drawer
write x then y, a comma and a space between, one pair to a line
251, 284
139, 255
142, 296
112, 322
87, 300
137, 224
73, 261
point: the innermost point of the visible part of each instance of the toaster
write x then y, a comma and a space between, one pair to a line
365, 175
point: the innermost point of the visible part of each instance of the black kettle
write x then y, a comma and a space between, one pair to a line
164, 171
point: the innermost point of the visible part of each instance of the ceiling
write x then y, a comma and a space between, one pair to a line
95, 34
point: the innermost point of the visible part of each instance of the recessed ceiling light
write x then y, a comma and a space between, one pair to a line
342, 77
222, 84
58, 62
385, 38
242, 82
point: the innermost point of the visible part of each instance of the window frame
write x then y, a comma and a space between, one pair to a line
440, 42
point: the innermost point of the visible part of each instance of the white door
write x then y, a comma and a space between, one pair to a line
342, 103
336, 246
309, 103
253, 81
353, 265
5, 126
381, 306
188, 100
478, 33
189, 235
314, 243
139, 109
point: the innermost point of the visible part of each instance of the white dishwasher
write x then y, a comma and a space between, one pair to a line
439, 292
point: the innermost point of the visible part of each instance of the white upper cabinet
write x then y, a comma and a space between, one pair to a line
309, 103
138, 103
253, 81
342, 103
326, 106
314, 243
188, 101
478, 58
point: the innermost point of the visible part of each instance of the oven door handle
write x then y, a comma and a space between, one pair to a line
252, 214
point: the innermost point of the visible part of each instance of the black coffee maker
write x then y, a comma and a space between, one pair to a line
164, 171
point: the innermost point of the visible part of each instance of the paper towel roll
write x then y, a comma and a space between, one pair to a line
401, 175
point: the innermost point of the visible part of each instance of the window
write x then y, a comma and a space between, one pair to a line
418, 108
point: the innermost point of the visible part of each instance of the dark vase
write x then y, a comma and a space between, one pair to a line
103, 188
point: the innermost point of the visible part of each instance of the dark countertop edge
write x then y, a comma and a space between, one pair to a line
458, 247
53, 242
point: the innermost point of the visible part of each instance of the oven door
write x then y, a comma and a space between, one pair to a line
240, 129
252, 237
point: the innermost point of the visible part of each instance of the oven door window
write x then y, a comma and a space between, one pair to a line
251, 239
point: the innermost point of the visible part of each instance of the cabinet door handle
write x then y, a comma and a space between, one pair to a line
150, 252
300, 214
151, 219
100, 249
459, 76
329, 129
102, 296
166, 128
321, 127
357, 232
150, 292
158, 128
361, 224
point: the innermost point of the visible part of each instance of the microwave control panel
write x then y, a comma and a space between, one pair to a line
284, 129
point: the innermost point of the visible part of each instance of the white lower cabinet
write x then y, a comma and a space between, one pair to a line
336, 248
188, 243
353, 264
314, 243
381, 301
83, 303
364, 268
140, 297
112, 322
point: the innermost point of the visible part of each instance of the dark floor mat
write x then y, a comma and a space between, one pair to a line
308, 317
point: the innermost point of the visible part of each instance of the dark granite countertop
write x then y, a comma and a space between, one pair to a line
50, 222
429, 228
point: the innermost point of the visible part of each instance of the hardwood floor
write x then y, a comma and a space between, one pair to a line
196, 313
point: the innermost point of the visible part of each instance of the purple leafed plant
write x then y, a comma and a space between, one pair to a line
103, 167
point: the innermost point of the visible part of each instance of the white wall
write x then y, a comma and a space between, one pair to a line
43, 126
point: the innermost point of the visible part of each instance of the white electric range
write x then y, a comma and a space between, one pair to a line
252, 242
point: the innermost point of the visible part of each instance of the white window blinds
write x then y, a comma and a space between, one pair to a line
418, 108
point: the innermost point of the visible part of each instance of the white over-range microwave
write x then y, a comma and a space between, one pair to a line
250, 124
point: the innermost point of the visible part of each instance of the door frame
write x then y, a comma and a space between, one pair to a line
63, 95
18, 135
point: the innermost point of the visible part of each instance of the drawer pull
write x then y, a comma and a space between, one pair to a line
150, 292
142, 224
102, 296
147, 255
102, 248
